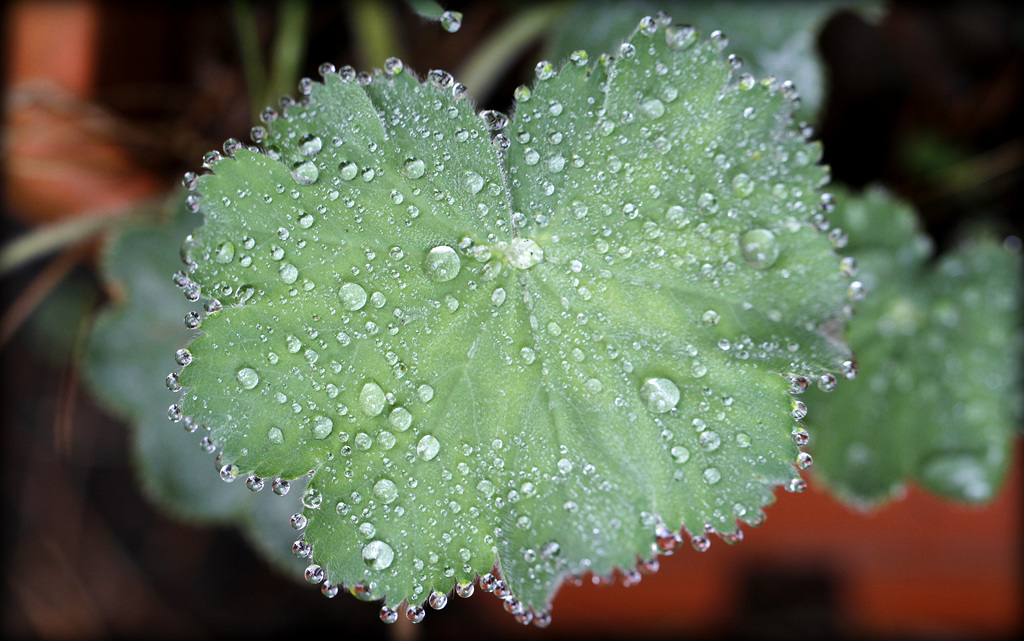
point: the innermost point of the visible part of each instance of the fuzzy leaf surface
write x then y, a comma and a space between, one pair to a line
127, 357
544, 358
939, 349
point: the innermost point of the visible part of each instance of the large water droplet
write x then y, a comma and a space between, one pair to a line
225, 252
378, 555
414, 168
289, 273
428, 447
371, 399
524, 253
660, 395
759, 248
305, 172
310, 145
442, 264
472, 182
322, 427
352, 296
248, 377
386, 490
652, 108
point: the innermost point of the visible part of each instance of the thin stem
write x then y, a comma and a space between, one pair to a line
492, 59
252, 58
44, 240
289, 49
374, 32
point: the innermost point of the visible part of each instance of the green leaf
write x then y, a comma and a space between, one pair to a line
769, 37
939, 346
126, 360
543, 350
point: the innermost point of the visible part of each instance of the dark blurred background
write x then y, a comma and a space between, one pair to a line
108, 103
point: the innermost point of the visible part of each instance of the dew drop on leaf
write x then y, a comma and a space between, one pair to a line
371, 399
352, 296
305, 172
660, 395
442, 264
322, 427
248, 377
378, 555
759, 248
428, 447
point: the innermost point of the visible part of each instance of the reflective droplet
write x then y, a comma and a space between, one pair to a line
371, 399
225, 252
275, 435
759, 248
385, 490
414, 168
400, 419
322, 427
352, 296
652, 108
472, 182
305, 172
712, 475
442, 264
378, 555
310, 145
289, 273
660, 395
451, 21
524, 253
248, 377
428, 448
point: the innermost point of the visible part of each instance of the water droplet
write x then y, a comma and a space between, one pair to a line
347, 170
425, 393
289, 273
680, 37
414, 613
472, 182
451, 21
652, 108
322, 427
712, 475
248, 377
759, 248
310, 145
352, 296
442, 264
524, 253
378, 555
709, 440
414, 168
428, 447
388, 615
660, 395
225, 252
314, 574
437, 600
280, 487
680, 454
386, 490
275, 435
371, 399
305, 172
400, 419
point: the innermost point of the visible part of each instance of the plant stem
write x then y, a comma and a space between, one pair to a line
289, 47
252, 59
374, 33
492, 59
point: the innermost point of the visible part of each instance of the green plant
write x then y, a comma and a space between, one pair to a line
550, 343
539, 344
